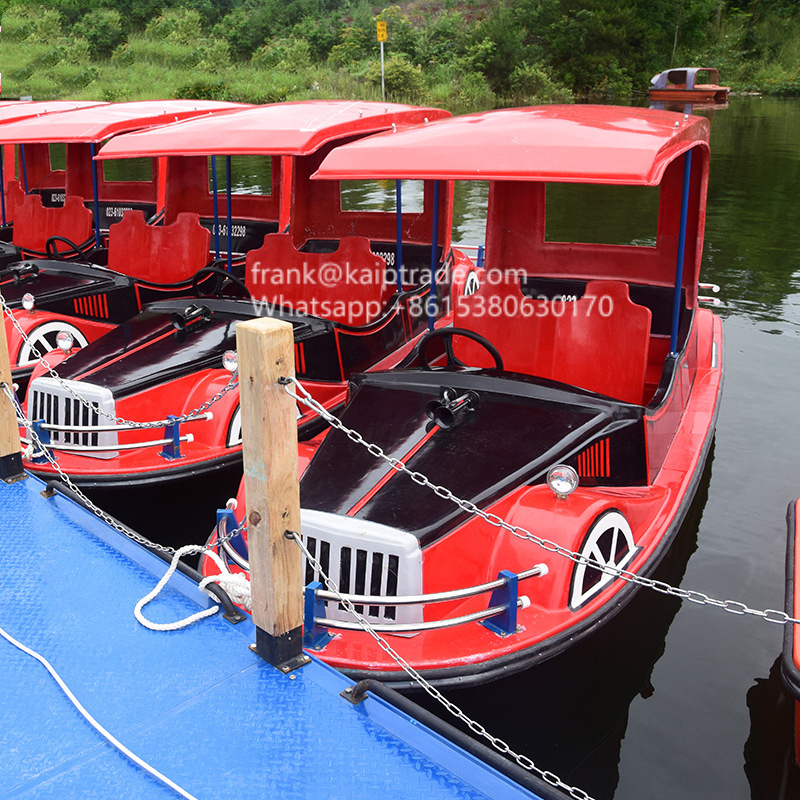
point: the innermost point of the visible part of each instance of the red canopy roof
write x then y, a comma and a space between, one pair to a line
576, 143
101, 121
295, 128
11, 111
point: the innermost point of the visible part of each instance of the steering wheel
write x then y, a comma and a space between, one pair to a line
51, 250
447, 334
223, 277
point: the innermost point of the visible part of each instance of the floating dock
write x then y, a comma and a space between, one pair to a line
196, 704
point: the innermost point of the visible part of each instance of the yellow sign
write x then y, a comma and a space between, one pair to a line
381, 31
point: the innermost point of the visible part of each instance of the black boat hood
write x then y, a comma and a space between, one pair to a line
519, 427
149, 350
50, 280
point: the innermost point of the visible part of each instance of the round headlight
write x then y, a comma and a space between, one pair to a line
28, 301
230, 360
562, 479
65, 340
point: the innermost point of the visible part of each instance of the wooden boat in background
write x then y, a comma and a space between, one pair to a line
683, 85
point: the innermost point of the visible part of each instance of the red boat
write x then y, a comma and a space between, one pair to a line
683, 85
571, 411
790, 665
58, 269
354, 283
11, 112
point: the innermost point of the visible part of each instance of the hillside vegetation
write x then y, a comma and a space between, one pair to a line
452, 54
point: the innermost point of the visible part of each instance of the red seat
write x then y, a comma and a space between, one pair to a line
169, 254
599, 342
347, 286
13, 196
34, 224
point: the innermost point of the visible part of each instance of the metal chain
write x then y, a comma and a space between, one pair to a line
93, 507
193, 414
478, 729
700, 598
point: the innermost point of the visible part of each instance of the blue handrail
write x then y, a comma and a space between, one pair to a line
96, 202
434, 256
399, 259
215, 192
676, 302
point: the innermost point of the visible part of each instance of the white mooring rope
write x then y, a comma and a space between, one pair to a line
93, 722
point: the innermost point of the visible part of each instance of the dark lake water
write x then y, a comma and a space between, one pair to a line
674, 700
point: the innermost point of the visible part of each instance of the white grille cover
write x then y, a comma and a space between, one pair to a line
52, 401
364, 558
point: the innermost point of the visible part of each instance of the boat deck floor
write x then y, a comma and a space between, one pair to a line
196, 704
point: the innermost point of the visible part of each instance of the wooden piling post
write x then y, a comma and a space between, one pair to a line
269, 434
10, 454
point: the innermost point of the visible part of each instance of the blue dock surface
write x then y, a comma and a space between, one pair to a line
196, 704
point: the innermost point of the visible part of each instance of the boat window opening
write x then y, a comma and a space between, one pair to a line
381, 196
127, 170
58, 156
597, 214
249, 175
470, 201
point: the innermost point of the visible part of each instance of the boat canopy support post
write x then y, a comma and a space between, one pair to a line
399, 259
269, 438
215, 193
2, 186
10, 451
93, 151
676, 301
24, 166
229, 211
434, 256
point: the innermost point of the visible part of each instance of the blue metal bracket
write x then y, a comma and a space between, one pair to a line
43, 436
231, 524
314, 636
172, 431
506, 623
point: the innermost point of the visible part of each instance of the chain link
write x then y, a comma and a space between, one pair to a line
193, 414
478, 729
731, 606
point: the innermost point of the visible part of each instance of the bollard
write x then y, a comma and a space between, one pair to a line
269, 440
10, 452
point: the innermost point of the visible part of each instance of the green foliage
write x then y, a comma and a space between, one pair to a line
460, 90
289, 54
534, 84
102, 29
400, 33
244, 29
319, 33
181, 25
354, 44
32, 25
214, 56
402, 79
443, 39
463, 57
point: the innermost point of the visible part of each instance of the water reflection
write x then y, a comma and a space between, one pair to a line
769, 758
570, 714
752, 230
